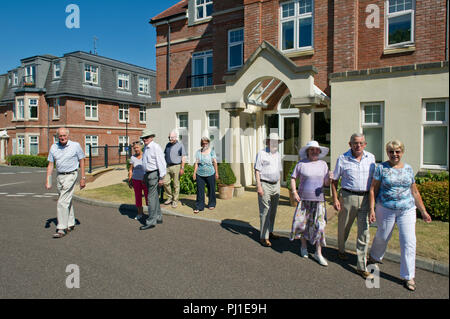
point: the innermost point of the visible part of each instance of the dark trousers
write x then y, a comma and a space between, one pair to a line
210, 182
154, 208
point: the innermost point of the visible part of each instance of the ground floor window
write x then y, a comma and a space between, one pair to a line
91, 141
34, 145
372, 128
435, 133
124, 141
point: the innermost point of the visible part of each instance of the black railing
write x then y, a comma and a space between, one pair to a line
104, 156
199, 80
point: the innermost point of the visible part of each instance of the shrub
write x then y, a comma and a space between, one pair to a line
435, 198
226, 175
187, 184
430, 177
288, 177
28, 160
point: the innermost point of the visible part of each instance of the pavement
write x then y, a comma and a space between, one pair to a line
241, 211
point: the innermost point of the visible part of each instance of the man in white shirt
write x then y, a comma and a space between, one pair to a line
154, 165
268, 170
67, 156
355, 168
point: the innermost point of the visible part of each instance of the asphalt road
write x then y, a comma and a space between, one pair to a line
180, 259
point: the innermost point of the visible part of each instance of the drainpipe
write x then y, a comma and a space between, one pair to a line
446, 36
169, 30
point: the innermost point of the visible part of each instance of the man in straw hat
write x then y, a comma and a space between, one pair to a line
355, 168
268, 170
155, 169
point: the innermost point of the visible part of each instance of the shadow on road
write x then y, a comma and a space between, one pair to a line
54, 221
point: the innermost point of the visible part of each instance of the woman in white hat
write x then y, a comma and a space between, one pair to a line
310, 215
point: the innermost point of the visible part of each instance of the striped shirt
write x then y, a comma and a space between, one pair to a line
153, 159
67, 157
356, 176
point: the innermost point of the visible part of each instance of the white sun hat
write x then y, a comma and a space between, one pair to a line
323, 150
274, 137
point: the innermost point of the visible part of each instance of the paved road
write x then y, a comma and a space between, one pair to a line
182, 258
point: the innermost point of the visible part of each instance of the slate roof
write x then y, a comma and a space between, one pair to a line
177, 9
71, 83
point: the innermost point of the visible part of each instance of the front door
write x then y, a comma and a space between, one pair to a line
290, 147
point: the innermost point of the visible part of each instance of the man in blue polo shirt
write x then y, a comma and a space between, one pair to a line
175, 156
67, 156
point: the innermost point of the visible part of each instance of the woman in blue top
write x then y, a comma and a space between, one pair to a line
205, 172
394, 190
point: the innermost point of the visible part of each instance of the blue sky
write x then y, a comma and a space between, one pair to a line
31, 27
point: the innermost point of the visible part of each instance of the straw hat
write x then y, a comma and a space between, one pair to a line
148, 133
323, 150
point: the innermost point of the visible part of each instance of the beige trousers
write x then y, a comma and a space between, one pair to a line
65, 213
268, 204
173, 173
354, 206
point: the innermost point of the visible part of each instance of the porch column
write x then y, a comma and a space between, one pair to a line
305, 124
234, 108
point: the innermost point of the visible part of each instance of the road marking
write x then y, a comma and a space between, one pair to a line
52, 194
26, 193
15, 195
12, 184
3, 193
41, 196
24, 172
7, 173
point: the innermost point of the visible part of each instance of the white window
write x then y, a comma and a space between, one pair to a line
144, 85
143, 114
183, 120
202, 69
34, 145
123, 81
15, 78
399, 22
91, 141
9, 80
203, 9
296, 19
213, 132
56, 109
20, 113
124, 141
90, 74
33, 108
372, 128
20, 144
124, 113
435, 134
91, 110
56, 70
30, 75
235, 48
183, 129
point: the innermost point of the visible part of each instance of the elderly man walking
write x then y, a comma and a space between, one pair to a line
355, 168
154, 165
268, 170
67, 155
175, 156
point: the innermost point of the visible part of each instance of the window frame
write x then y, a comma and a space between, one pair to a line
30, 106
125, 78
89, 68
202, 55
372, 125
388, 15
90, 143
143, 114
30, 71
144, 84
91, 107
15, 78
124, 143
30, 143
56, 109
426, 123
56, 68
233, 44
296, 18
204, 6
124, 109
21, 151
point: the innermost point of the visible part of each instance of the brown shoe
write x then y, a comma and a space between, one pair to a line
365, 274
265, 243
342, 256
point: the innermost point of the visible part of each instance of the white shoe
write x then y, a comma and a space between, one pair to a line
322, 261
304, 252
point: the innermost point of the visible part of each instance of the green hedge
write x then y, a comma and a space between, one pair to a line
226, 175
430, 177
435, 198
28, 160
187, 184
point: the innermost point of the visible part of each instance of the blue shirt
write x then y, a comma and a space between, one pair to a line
205, 163
356, 176
395, 186
138, 168
174, 153
67, 157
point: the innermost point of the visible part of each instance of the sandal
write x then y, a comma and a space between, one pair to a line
196, 211
71, 228
265, 243
410, 285
60, 233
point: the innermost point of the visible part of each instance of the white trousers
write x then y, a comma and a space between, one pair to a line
406, 223
65, 212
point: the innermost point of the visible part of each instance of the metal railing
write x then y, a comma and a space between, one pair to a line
104, 156
199, 80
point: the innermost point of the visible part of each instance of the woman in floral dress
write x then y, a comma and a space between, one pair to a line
310, 214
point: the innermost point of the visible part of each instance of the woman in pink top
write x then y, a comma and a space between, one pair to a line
310, 215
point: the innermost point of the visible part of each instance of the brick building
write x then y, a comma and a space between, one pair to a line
92, 96
310, 69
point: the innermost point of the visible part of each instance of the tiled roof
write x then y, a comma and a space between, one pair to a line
174, 10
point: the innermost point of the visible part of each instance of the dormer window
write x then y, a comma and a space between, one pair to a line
203, 9
123, 81
56, 70
90, 74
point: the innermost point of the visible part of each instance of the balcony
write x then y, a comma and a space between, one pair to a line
29, 81
199, 80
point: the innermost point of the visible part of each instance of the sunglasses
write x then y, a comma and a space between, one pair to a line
394, 152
